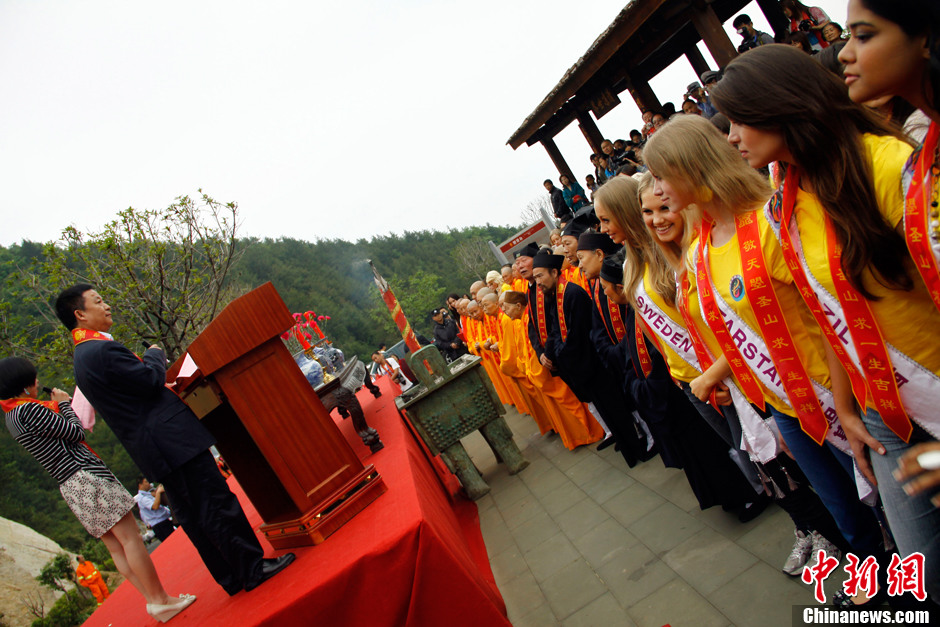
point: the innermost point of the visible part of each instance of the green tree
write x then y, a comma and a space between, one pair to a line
165, 273
69, 610
57, 572
328, 276
475, 257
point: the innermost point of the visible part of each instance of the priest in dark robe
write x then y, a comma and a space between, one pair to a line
570, 350
574, 422
685, 440
608, 329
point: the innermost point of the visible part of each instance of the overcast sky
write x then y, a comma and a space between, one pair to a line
321, 119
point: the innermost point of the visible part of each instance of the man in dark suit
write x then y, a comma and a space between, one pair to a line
165, 440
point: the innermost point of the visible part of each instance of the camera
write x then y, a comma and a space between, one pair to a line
807, 25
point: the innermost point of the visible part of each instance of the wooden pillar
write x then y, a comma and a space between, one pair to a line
695, 57
774, 14
713, 34
643, 95
555, 155
590, 131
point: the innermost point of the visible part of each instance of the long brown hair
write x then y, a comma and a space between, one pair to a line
620, 197
917, 17
778, 88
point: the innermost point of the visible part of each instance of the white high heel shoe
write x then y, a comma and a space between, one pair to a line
163, 613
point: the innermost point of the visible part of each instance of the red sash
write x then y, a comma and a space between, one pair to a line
864, 330
716, 323
919, 209
773, 327
11, 403
705, 360
540, 315
84, 335
619, 330
646, 362
79, 336
560, 299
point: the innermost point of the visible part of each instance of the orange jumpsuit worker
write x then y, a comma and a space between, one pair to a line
88, 576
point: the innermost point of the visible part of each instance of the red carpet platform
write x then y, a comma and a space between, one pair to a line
415, 556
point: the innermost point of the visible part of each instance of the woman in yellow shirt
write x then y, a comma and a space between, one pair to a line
739, 284
685, 439
839, 211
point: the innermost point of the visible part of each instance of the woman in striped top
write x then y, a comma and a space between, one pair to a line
52, 434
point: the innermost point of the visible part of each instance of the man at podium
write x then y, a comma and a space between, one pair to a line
166, 441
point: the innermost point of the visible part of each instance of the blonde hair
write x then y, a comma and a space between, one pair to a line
692, 154
672, 253
620, 197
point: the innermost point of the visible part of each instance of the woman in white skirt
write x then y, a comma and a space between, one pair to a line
51, 432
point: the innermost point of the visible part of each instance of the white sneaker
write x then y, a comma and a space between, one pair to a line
821, 543
800, 553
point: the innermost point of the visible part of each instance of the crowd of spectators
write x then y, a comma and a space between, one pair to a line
659, 280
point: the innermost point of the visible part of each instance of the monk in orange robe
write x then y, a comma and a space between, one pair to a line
576, 425
512, 363
506, 272
493, 335
475, 340
571, 418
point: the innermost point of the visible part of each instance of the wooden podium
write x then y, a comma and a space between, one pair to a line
275, 434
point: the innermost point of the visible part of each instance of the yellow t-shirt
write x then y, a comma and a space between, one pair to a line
901, 316
725, 267
678, 367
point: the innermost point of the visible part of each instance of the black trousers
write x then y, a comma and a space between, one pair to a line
163, 529
214, 521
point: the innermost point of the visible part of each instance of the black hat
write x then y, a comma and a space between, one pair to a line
591, 240
612, 270
529, 250
577, 226
548, 260
587, 214
436, 311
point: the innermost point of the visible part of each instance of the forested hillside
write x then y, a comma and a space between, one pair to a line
330, 277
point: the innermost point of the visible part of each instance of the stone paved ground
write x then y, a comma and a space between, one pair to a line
579, 539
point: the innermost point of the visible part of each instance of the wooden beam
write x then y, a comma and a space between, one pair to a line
643, 95
697, 60
632, 18
555, 155
713, 34
774, 14
590, 131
